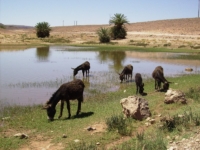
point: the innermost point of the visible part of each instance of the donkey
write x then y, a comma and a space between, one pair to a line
126, 72
85, 67
158, 75
139, 84
68, 91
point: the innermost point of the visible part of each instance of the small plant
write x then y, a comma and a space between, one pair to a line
194, 93
2, 26
187, 120
140, 136
83, 146
167, 44
152, 141
103, 35
119, 123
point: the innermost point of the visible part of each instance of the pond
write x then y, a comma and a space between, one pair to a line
30, 76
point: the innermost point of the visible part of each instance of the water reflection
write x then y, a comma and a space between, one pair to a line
36, 85
42, 53
117, 58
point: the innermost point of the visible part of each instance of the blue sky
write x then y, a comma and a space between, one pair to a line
91, 12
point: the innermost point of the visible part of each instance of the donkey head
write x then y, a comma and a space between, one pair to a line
75, 71
50, 111
121, 77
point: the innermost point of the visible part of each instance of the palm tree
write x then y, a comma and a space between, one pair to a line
103, 35
118, 30
43, 29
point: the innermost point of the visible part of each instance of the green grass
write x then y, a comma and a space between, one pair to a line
96, 109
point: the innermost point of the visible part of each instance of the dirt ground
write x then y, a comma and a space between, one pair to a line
176, 33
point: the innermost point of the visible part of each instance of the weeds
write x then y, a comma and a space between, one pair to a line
146, 142
180, 122
194, 93
119, 123
83, 146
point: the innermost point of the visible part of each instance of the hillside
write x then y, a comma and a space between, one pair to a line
173, 33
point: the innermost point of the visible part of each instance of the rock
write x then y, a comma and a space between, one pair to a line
91, 128
76, 140
189, 69
64, 136
21, 135
174, 96
135, 107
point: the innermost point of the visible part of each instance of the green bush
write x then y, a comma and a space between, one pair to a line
43, 29
119, 123
118, 32
194, 93
103, 35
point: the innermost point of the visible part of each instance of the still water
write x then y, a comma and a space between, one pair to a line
31, 76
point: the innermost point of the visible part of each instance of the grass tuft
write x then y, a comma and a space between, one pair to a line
119, 123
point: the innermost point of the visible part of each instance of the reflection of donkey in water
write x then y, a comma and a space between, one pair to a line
127, 71
68, 91
85, 67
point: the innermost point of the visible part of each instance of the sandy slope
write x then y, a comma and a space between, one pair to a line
174, 33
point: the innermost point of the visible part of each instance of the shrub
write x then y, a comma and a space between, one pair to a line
118, 32
103, 35
119, 123
43, 29
194, 93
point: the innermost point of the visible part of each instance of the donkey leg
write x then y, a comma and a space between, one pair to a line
68, 108
80, 100
61, 108
83, 71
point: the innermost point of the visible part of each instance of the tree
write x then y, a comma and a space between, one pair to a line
118, 30
103, 35
43, 29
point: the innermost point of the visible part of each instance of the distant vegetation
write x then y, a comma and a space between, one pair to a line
2, 26
118, 31
103, 34
43, 29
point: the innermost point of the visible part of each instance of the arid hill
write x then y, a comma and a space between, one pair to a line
174, 33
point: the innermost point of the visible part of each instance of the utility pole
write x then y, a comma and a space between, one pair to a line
198, 8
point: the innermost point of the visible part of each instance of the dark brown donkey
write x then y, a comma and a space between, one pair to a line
139, 83
158, 75
85, 67
126, 72
68, 91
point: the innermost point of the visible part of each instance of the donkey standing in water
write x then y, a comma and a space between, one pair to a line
68, 91
128, 70
85, 67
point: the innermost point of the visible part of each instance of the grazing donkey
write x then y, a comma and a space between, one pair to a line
139, 84
68, 91
126, 72
85, 67
158, 75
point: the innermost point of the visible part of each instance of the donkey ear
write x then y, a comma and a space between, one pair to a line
72, 68
46, 106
